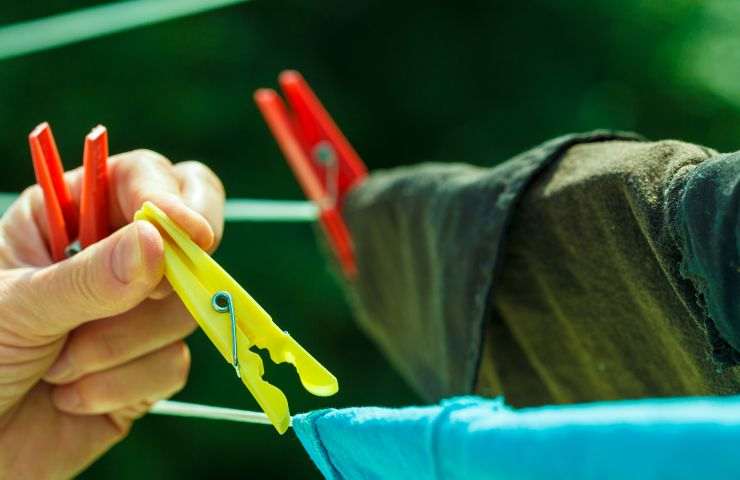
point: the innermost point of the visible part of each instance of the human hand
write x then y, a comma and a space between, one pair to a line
88, 344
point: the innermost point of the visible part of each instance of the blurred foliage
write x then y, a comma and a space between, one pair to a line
474, 81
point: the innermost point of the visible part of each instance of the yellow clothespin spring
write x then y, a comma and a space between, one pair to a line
209, 292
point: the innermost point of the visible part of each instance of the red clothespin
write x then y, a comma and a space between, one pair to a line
324, 162
69, 230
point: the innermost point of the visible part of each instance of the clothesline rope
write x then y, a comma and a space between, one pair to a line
72, 27
241, 209
193, 410
252, 210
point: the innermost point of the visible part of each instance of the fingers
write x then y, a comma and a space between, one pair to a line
24, 231
143, 175
124, 417
163, 290
104, 344
188, 192
38, 441
203, 192
139, 176
104, 280
150, 378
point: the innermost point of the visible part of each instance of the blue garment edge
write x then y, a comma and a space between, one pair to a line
471, 438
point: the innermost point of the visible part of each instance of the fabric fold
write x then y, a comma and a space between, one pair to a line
471, 438
555, 277
708, 225
428, 241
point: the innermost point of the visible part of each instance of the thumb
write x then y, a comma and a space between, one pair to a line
106, 279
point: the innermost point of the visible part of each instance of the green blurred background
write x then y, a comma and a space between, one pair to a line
473, 81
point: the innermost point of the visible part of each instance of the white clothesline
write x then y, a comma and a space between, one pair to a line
241, 209
251, 210
71, 27
193, 410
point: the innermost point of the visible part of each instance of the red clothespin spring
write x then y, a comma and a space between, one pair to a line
323, 161
70, 230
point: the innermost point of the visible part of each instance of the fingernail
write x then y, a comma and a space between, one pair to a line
127, 260
67, 398
60, 371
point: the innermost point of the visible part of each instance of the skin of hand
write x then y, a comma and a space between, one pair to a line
87, 345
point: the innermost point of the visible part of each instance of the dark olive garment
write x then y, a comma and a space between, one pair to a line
591, 290
558, 276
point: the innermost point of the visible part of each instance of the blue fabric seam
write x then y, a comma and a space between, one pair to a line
441, 418
322, 448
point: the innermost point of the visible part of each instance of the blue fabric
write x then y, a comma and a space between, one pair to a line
472, 438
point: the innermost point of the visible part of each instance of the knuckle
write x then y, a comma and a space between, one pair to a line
15, 381
140, 194
202, 171
121, 429
147, 155
75, 358
98, 394
87, 396
24, 315
30, 193
83, 286
110, 347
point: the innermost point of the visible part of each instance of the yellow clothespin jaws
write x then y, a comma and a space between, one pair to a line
209, 292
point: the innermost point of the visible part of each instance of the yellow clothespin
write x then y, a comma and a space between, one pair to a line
209, 293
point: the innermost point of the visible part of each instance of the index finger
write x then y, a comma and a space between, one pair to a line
203, 192
143, 175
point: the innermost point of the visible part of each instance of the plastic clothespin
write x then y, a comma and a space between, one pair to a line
70, 230
324, 162
210, 293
